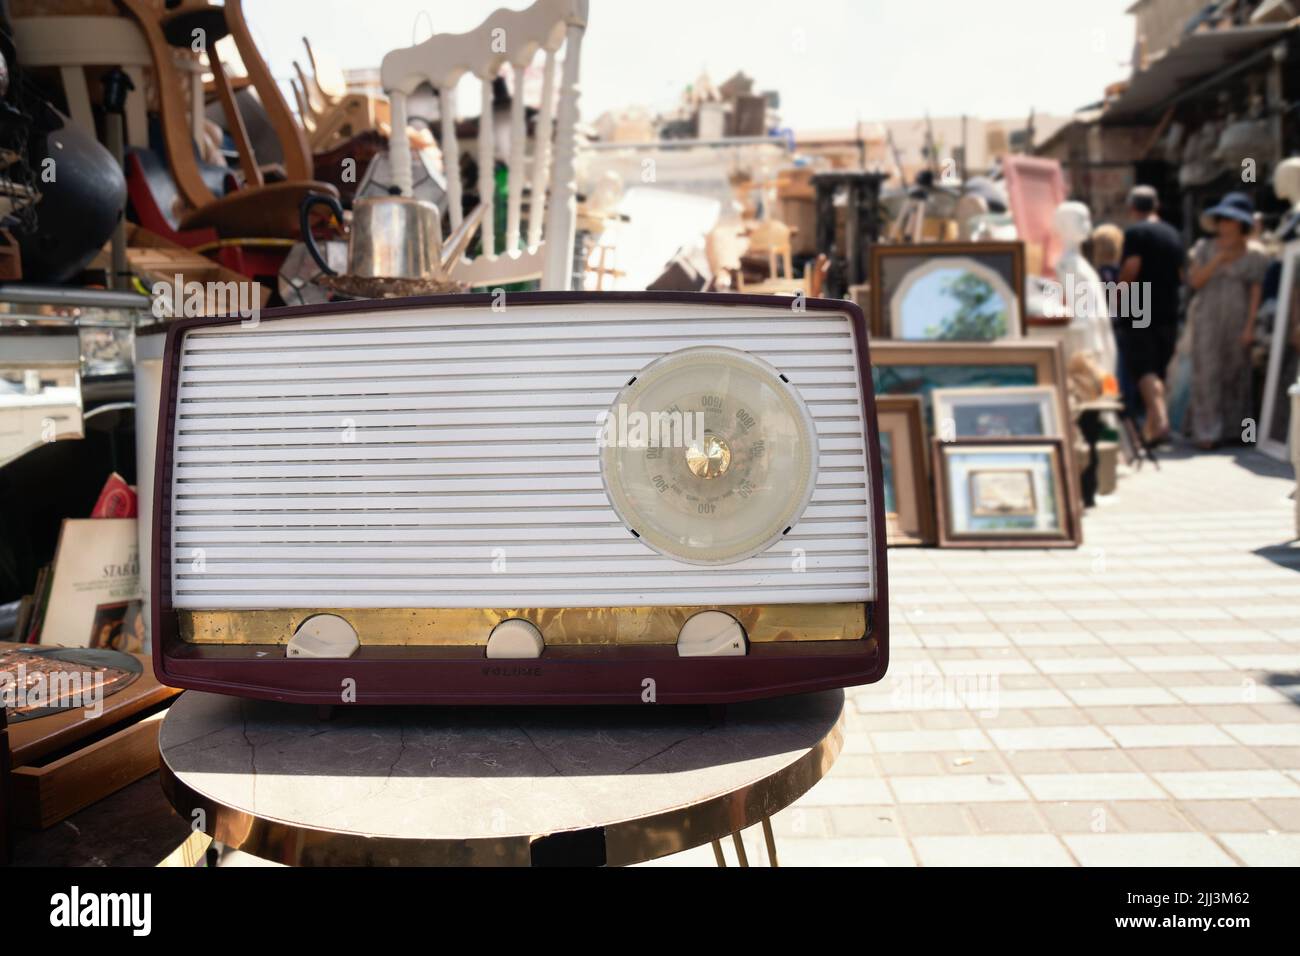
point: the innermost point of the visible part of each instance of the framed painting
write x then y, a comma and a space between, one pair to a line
905, 472
1283, 359
948, 291
1011, 493
1030, 411
918, 368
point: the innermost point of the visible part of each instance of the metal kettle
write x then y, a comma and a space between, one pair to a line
393, 237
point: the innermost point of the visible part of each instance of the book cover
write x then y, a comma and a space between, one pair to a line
97, 565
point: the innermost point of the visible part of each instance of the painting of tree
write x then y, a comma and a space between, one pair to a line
980, 314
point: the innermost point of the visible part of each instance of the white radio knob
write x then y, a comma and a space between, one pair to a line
711, 634
323, 635
515, 639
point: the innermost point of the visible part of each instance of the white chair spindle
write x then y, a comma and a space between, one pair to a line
399, 148
561, 212
450, 151
542, 153
486, 164
517, 173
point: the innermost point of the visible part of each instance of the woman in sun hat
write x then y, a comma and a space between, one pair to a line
1226, 273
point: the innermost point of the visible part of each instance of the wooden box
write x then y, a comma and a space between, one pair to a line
65, 762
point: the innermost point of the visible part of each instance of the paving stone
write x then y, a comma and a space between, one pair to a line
1167, 758
1121, 696
1092, 786
1051, 738
1038, 762
1118, 716
802, 821
1169, 735
845, 792
1146, 849
1229, 784
1235, 714
934, 818
958, 788
1147, 816
1060, 717
867, 821
845, 851
1006, 850
1229, 758
985, 762
1265, 735
1283, 758
911, 741
1227, 816
1078, 816
945, 719
910, 764
1257, 849
1006, 818
854, 765
1285, 814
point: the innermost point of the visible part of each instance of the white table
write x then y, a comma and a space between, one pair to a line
490, 786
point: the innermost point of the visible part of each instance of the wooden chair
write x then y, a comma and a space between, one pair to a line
513, 37
259, 209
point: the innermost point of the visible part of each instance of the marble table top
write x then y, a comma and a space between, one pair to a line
495, 786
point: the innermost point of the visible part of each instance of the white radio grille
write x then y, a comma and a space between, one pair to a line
448, 458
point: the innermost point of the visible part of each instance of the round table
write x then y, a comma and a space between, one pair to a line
502, 786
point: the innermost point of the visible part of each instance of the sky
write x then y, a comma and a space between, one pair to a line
833, 61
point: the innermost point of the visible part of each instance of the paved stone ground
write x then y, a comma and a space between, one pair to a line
1135, 702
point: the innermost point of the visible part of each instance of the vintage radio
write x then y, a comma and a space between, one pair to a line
546, 497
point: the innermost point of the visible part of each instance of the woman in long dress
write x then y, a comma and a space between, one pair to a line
1227, 272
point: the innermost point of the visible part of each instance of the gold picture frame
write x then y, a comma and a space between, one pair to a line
1048, 518
1004, 406
906, 474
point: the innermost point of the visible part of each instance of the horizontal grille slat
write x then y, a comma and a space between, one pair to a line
479, 332
448, 458
196, 537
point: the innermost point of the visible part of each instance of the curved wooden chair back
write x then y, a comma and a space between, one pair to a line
177, 129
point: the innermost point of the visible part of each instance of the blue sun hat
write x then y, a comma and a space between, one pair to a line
1236, 206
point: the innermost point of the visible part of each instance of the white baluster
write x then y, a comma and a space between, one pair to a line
542, 153
561, 213
399, 147
516, 165
450, 151
486, 162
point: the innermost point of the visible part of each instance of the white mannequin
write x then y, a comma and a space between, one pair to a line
1090, 329
1286, 183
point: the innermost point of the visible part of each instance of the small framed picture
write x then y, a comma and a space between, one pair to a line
909, 506
1008, 493
1010, 412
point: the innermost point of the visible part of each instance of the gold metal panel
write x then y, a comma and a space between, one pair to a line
572, 625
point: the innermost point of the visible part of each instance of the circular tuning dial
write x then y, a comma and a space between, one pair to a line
708, 455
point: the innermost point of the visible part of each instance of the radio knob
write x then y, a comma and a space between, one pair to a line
323, 635
711, 634
515, 639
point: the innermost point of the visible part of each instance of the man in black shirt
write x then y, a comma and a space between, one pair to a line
1153, 258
